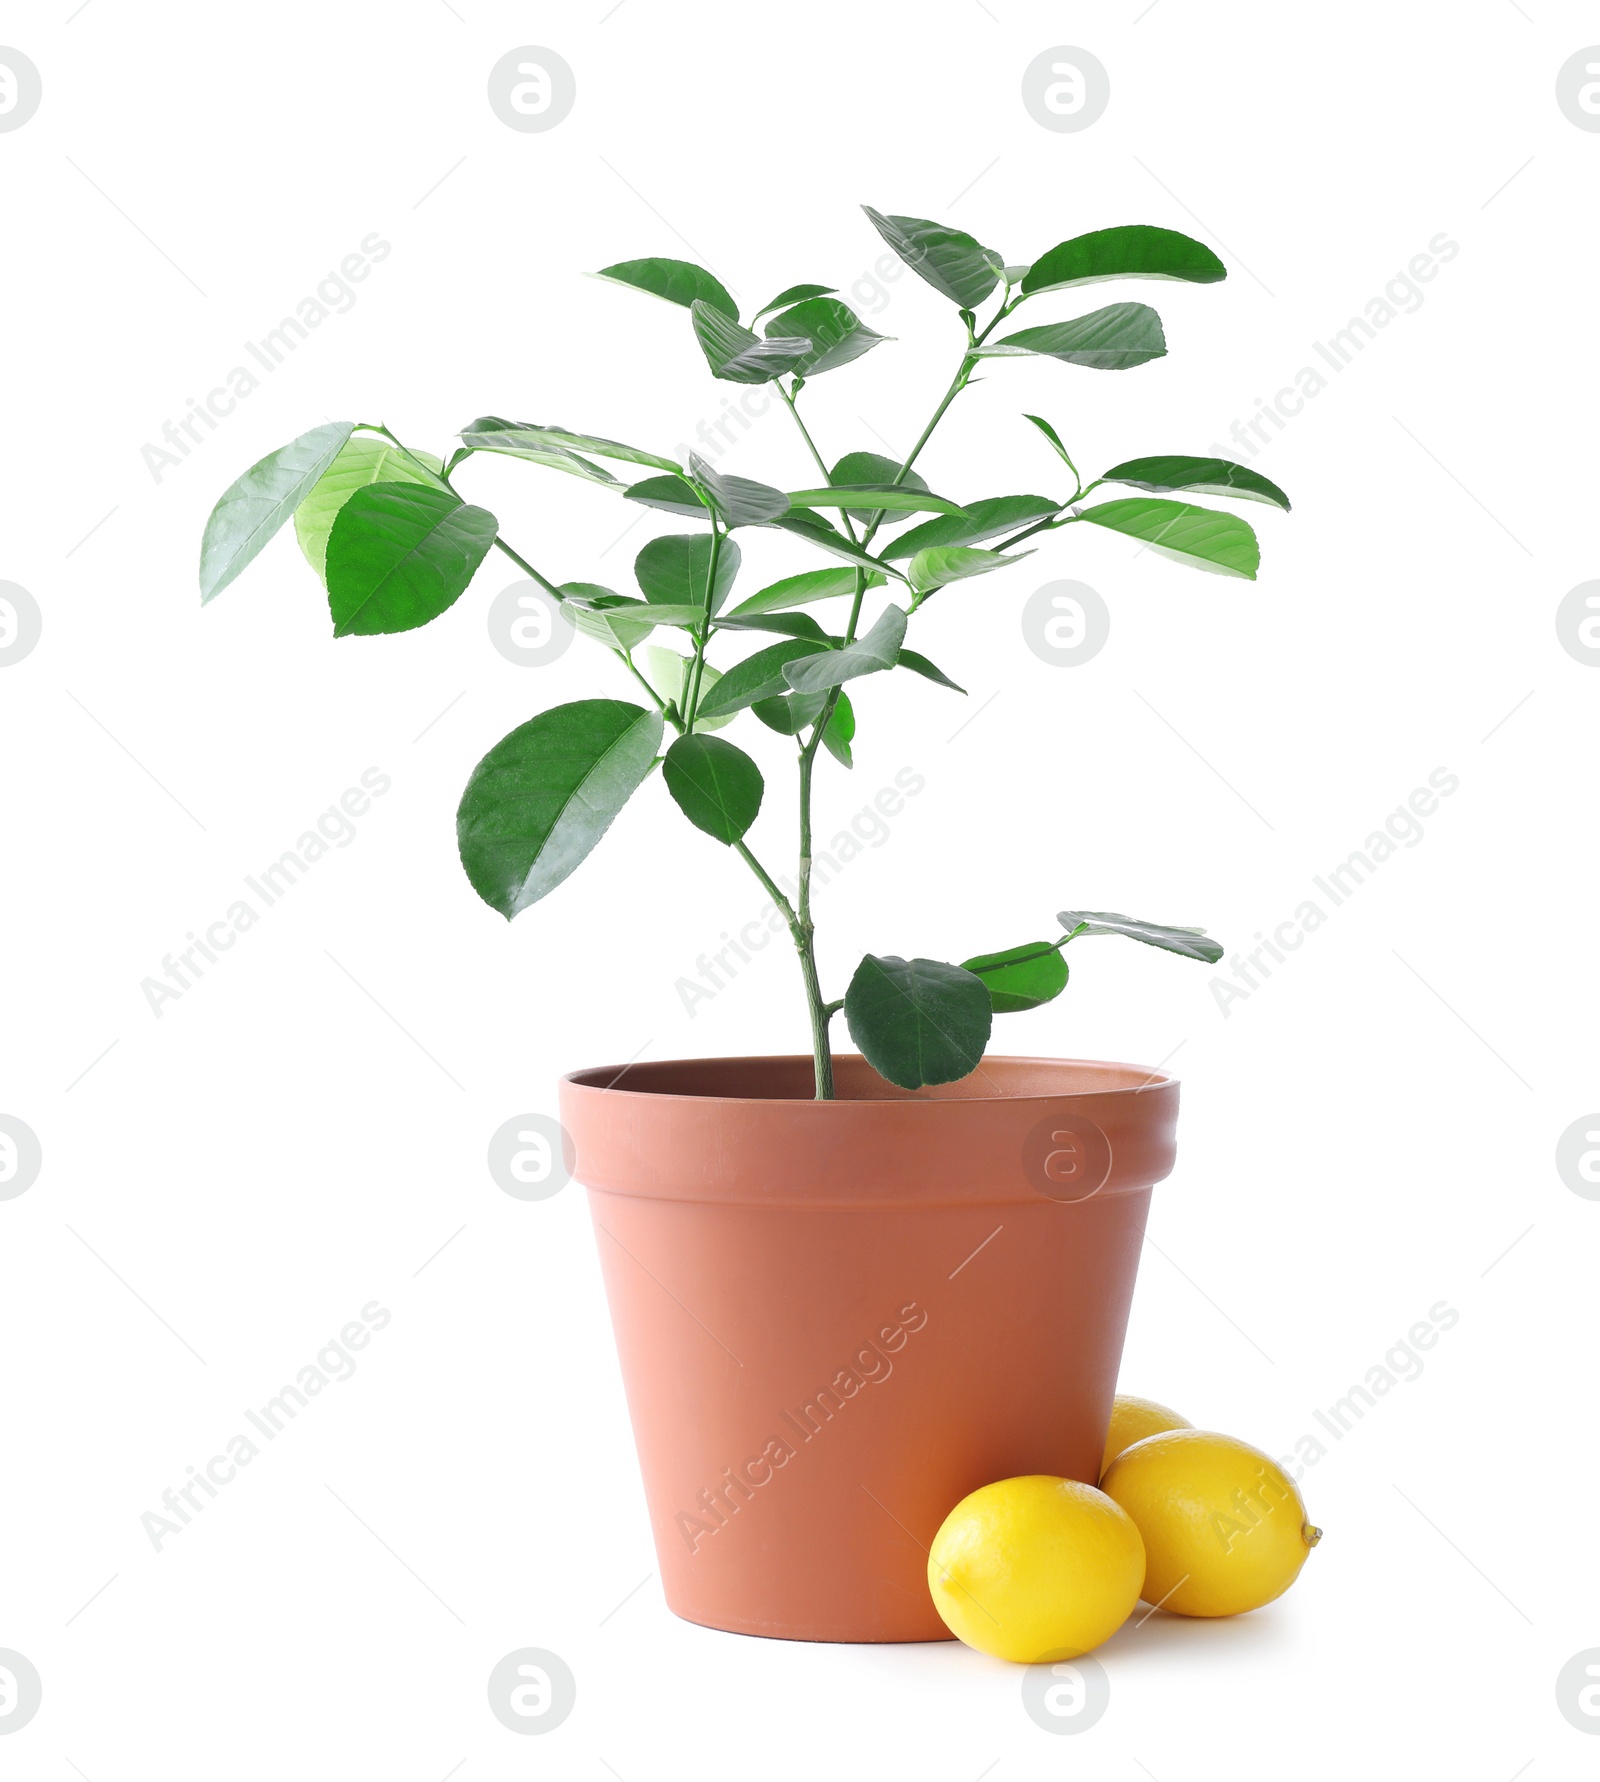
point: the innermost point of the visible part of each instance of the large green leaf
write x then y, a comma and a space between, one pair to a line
874, 470
679, 281
491, 433
716, 786
254, 507
783, 624
952, 262
1115, 338
1021, 977
364, 459
399, 554
1192, 943
794, 294
802, 590
675, 570
943, 564
672, 494
816, 530
870, 654
737, 500
740, 357
902, 500
1135, 250
837, 334
757, 677
976, 521
1203, 476
1223, 544
520, 438
544, 795
609, 618
918, 1021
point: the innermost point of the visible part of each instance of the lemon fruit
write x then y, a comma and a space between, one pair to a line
1035, 1569
1132, 1419
1223, 1526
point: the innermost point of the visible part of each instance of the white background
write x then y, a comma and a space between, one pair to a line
1369, 1133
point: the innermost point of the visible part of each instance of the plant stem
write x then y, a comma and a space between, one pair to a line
527, 568
691, 702
804, 928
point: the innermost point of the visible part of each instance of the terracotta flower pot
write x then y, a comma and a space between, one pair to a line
835, 1319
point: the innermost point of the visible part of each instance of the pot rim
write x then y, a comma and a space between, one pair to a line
1152, 1080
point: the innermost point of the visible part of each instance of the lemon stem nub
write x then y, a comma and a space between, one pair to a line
1312, 1535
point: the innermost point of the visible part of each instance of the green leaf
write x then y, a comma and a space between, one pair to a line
953, 263
871, 654
737, 500
1055, 441
801, 590
1205, 476
874, 470
544, 795
399, 554
1021, 977
517, 438
942, 564
900, 500
672, 494
1135, 250
817, 531
691, 618
918, 1021
1115, 338
668, 675
794, 294
740, 357
261, 500
921, 665
364, 459
840, 730
679, 281
1223, 544
790, 713
716, 786
674, 571
785, 624
837, 334
610, 619
1192, 943
758, 677
977, 520
489, 433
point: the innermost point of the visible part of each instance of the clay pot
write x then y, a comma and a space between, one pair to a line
835, 1319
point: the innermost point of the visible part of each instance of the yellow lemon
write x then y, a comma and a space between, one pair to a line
1035, 1568
1224, 1528
1132, 1419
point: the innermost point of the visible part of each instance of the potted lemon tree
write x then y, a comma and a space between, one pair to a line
842, 1285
